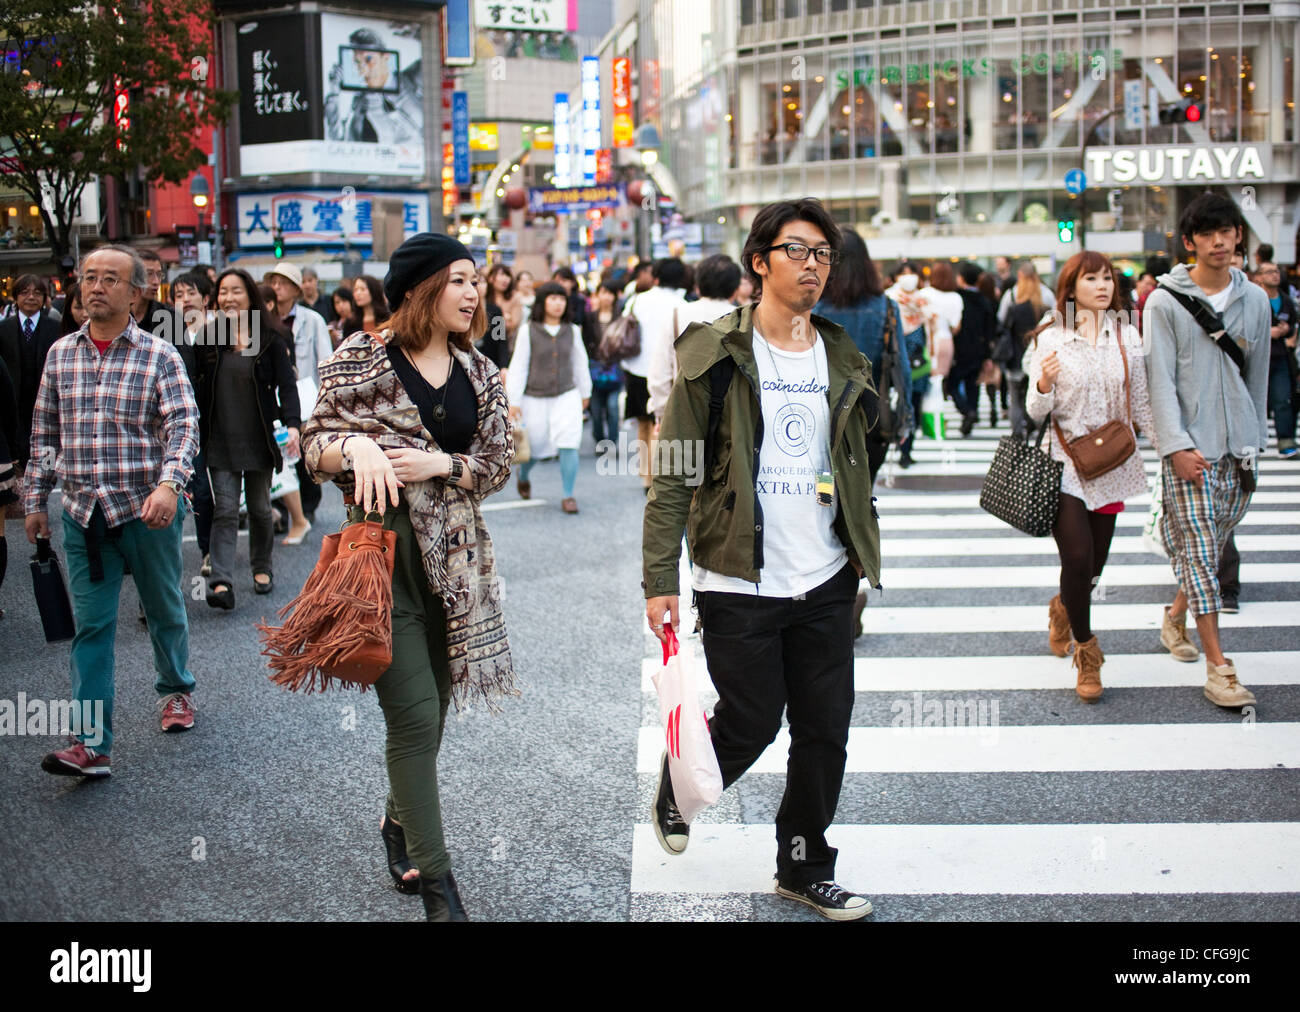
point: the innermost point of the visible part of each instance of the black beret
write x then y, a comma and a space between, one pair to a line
420, 257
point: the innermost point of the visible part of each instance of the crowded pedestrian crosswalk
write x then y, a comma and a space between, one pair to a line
974, 774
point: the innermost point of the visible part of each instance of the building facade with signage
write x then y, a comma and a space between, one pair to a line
946, 128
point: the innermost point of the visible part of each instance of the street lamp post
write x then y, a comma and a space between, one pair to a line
199, 193
647, 143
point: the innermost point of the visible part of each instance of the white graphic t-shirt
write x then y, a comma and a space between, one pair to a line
800, 549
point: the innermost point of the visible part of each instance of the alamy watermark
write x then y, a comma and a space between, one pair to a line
943, 715
36, 717
676, 457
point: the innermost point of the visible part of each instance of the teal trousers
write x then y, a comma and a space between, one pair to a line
155, 558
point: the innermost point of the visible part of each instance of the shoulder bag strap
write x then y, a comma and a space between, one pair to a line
1212, 324
887, 331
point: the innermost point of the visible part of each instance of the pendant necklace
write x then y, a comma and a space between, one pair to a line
440, 408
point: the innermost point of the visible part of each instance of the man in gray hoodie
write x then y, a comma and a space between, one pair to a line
1210, 423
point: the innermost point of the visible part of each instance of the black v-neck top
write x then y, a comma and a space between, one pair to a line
455, 433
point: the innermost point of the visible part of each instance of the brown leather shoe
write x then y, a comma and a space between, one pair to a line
1088, 660
859, 606
569, 505
1058, 628
525, 489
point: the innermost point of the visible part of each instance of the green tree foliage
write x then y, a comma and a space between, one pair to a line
65, 65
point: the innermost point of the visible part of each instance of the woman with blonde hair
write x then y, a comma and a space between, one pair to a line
411, 422
1087, 370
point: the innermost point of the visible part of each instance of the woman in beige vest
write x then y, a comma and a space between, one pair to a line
548, 385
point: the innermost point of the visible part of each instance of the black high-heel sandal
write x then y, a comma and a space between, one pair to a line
398, 863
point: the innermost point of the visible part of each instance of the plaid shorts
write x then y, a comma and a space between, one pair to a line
1195, 525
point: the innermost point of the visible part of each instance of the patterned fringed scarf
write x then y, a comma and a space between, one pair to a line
360, 394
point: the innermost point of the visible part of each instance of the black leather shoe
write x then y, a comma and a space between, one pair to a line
223, 598
264, 588
968, 424
670, 828
442, 899
398, 863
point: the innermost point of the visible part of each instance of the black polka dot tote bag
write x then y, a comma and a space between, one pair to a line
1023, 485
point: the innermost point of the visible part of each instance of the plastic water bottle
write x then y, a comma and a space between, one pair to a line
282, 441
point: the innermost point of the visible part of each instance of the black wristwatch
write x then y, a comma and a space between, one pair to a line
457, 469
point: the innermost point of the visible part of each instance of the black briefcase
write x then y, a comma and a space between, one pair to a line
51, 594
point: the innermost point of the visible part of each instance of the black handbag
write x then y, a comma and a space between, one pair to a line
51, 594
1023, 485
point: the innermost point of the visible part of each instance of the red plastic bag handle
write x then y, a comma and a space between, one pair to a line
670, 642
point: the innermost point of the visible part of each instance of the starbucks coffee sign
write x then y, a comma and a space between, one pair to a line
1173, 164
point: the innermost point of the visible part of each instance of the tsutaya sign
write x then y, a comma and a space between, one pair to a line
1173, 164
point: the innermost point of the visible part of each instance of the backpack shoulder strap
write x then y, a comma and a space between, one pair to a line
1212, 324
720, 374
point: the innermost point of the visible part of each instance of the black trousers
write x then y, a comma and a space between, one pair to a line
307, 488
766, 655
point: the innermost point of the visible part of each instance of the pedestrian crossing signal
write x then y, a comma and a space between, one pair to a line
1065, 230
278, 245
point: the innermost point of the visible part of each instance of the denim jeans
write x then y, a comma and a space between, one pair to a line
604, 412
155, 559
1280, 386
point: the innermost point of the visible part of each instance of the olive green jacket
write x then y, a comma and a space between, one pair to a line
722, 515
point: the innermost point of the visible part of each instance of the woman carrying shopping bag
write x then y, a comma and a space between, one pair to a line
245, 362
549, 386
1088, 373
411, 422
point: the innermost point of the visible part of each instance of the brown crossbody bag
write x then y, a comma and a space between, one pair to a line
1103, 449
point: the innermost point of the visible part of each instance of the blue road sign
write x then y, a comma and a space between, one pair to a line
1075, 181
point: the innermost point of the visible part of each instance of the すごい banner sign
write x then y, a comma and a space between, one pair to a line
1180, 163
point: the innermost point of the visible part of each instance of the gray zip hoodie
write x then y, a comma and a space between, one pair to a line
1198, 397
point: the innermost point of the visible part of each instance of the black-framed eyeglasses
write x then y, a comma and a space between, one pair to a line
798, 251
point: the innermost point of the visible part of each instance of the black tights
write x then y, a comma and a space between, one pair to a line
1083, 539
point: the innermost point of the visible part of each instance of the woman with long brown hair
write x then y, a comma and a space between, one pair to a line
1024, 317
411, 422
372, 305
1087, 369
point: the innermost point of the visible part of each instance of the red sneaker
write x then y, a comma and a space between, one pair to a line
177, 712
76, 760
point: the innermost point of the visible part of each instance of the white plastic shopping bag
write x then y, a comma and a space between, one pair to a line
1151, 539
692, 763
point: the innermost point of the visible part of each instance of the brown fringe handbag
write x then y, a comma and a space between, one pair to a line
341, 628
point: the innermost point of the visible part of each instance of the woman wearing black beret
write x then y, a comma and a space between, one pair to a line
411, 421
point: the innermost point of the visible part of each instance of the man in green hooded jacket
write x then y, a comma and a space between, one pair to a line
780, 407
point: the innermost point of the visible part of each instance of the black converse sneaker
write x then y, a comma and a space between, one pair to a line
672, 831
829, 900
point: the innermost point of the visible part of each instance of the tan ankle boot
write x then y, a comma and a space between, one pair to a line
1058, 628
1088, 660
1222, 687
1173, 637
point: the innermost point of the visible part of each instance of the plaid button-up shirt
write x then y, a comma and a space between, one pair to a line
111, 427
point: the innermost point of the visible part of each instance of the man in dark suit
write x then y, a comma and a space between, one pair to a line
26, 337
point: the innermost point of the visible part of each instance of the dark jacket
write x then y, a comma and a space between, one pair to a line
493, 343
272, 372
1020, 321
1286, 313
722, 516
973, 344
26, 363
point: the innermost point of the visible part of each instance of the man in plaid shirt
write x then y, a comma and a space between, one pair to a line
117, 424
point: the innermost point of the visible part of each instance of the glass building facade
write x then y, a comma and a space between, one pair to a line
962, 114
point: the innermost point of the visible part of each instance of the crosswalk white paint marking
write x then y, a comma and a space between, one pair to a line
1022, 544
1017, 860
1130, 575
1243, 744
988, 522
893, 499
1030, 618
1007, 673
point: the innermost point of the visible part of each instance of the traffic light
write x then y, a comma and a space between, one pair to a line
1187, 111
1065, 230
278, 245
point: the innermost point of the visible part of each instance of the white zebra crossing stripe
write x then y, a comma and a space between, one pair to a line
1031, 618
889, 501
988, 522
958, 548
1133, 575
1091, 859
1010, 673
1243, 744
